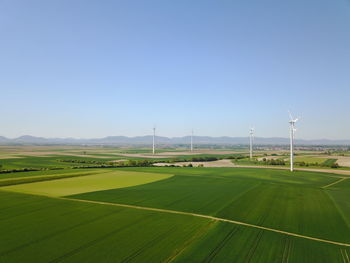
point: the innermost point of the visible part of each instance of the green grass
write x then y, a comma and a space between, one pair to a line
87, 183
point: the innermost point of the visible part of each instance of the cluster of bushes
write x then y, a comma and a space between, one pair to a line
238, 157
191, 159
79, 161
273, 161
29, 170
101, 164
306, 164
131, 163
331, 163
199, 159
335, 165
203, 159
190, 165
134, 163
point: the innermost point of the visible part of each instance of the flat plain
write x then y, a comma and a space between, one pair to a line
173, 214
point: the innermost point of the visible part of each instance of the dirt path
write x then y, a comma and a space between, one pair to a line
336, 182
333, 171
211, 218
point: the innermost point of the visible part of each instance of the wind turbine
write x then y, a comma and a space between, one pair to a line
192, 141
154, 140
292, 122
251, 135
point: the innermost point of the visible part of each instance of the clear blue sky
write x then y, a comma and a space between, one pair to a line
72, 68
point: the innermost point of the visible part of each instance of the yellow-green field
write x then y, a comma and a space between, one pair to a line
89, 183
309, 159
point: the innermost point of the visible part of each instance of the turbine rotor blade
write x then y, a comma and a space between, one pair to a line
290, 115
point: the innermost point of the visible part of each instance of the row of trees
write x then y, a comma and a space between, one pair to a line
325, 164
273, 161
80, 161
19, 170
202, 159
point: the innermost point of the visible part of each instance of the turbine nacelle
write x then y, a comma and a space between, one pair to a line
292, 120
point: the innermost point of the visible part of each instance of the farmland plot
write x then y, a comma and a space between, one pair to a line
228, 243
88, 183
40, 229
91, 226
288, 206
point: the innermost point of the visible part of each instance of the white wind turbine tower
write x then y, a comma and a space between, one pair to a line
154, 140
292, 136
251, 135
192, 141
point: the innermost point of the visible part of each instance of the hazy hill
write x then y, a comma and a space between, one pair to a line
145, 140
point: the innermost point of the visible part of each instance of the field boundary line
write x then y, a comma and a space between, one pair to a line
336, 182
317, 170
208, 217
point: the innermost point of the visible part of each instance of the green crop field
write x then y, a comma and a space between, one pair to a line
88, 183
175, 214
310, 159
41, 229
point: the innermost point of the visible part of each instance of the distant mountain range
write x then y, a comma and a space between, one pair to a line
146, 140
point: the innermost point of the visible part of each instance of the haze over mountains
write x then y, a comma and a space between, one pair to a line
145, 140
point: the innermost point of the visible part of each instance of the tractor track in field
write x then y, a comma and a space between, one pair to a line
202, 231
221, 245
209, 217
336, 182
345, 256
